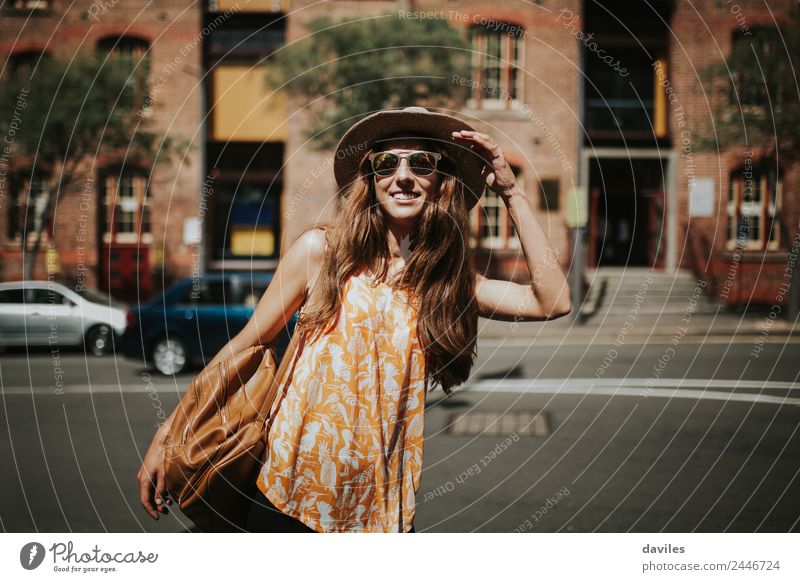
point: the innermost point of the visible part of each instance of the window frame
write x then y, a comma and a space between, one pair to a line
22, 63
543, 199
767, 211
19, 223
138, 50
28, 5
142, 212
743, 95
479, 37
506, 237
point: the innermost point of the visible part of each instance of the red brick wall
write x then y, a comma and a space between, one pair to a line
550, 94
699, 35
309, 185
703, 35
171, 28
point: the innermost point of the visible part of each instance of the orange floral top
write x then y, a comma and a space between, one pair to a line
345, 449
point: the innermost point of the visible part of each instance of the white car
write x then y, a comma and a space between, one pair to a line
41, 313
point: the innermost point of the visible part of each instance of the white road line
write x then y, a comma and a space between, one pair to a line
629, 340
97, 389
555, 383
623, 388
691, 388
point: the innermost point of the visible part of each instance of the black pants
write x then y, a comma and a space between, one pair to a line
264, 517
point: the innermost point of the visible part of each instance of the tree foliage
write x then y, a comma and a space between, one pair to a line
360, 66
755, 92
63, 113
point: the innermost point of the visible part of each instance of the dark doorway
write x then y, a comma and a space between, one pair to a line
627, 212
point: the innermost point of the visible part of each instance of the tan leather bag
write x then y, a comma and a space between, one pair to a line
218, 437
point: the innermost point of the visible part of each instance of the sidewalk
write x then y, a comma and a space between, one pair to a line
637, 304
607, 327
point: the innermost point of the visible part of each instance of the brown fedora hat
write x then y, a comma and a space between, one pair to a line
363, 135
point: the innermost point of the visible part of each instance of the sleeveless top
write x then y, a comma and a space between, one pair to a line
344, 452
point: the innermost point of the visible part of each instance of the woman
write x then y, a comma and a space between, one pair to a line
390, 304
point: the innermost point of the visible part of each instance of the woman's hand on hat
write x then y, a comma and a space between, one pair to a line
501, 179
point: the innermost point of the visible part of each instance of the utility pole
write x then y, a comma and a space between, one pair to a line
578, 203
576, 218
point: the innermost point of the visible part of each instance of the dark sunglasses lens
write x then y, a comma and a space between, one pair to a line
422, 164
384, 164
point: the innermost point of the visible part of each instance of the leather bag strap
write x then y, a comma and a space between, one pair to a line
290, 355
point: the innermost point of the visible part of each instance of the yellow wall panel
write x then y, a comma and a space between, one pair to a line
242, 111
254, 5
660, 94
250, 240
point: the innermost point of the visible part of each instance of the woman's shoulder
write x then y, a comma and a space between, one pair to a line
315, 238
312, 243
308, 252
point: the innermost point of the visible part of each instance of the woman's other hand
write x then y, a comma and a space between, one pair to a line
501, 178
152, 487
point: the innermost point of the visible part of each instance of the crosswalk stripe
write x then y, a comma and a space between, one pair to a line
625, 387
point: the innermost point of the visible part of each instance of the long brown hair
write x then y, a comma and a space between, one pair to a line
439, 274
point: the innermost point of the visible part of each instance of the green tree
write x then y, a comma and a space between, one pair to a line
755, 100
754, 92
360, 66
67, 112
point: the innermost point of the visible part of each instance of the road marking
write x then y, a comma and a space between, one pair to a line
638, 388
98, 389
630, 340
691, 388
702, 383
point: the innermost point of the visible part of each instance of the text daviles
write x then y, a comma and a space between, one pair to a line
665, 549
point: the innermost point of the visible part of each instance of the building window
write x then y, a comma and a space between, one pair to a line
246, 219
22, 65
29, 4
244, 37
764, 74
549, 194
624, 65
497, 58
131, 56
244, 190
125, 217
251, 5
491, 224
754, 203
26, 214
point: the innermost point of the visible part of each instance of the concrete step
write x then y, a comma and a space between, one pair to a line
621, 291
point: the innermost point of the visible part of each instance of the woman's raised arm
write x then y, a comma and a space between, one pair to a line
296, 272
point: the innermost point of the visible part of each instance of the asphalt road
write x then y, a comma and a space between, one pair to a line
707, 440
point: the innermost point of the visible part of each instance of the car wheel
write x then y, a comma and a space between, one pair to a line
170, 355
99, 339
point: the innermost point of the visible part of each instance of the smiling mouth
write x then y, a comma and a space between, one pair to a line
404, 195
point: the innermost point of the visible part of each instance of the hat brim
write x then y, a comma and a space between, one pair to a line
362, 136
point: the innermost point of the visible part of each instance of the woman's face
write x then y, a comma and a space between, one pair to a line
402, 195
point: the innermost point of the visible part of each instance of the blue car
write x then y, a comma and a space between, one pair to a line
192, 320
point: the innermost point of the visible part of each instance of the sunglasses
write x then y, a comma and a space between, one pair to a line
420, 163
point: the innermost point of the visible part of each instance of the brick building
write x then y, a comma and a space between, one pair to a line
124, 230
598, 106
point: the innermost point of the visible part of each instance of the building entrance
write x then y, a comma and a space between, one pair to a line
627, 212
